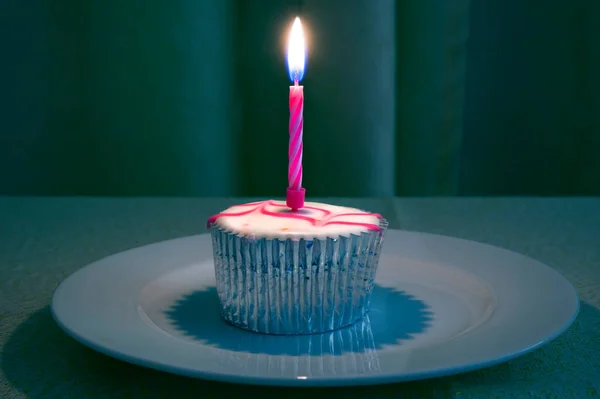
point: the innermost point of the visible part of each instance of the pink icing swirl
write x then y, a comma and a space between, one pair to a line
326, 220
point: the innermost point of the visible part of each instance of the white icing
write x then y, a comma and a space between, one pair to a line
258, 224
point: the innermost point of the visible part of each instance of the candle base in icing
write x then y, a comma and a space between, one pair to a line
294, 199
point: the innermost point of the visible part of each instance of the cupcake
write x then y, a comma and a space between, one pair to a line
308, 271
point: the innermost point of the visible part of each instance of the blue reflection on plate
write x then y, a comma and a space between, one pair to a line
395, 316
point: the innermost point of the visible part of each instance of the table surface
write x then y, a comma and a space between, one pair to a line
43, 240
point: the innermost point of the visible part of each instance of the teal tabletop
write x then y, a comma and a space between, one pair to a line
43, 240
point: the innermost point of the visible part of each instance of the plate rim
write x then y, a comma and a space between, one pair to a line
314, 381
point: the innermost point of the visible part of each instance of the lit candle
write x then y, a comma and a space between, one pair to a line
296, 58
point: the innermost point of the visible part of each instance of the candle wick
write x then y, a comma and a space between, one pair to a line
295, 82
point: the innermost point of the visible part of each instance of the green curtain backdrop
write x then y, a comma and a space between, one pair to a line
431, 44
533, 98
406, 97
159, 97
118, 97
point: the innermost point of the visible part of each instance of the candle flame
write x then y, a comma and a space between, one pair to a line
296, 52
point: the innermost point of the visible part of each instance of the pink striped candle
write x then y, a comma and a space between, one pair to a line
296, 59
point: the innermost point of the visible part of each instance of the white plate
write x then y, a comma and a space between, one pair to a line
441, 306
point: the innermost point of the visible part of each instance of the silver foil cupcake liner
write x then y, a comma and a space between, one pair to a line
295, 286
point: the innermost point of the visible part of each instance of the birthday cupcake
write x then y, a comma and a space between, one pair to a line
304, 271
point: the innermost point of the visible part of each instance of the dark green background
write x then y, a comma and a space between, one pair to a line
189, 97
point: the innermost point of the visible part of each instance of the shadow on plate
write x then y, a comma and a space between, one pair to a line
395, 317
42, 362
